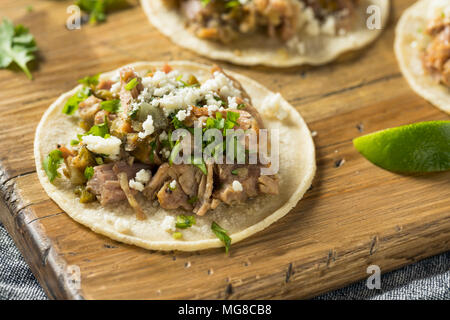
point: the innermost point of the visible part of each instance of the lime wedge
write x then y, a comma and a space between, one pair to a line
418, 147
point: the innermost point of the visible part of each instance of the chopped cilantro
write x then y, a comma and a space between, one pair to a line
97, 9
89, 81
100, 130
235, 172
184, 222
241, 106
99, 160
175, 151
205, 2
112, 106
222, 234
16, 46
131, 84
231, 119
88, 172
51, 164
177, 235
232, 4
201, 165
74, 142
72, 103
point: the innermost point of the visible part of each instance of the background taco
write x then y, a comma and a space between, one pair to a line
157, 228
423, 51
273, 33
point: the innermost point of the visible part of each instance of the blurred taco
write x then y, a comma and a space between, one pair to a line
277, 33
422, 46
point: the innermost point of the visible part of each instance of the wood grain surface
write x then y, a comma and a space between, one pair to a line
355, 215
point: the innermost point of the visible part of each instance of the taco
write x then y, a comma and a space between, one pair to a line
106, 152
278, 33
422, 46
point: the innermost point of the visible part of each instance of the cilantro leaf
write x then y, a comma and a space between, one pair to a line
205, 2
177, 235
90, 81
51, 164
184, 222
16, 46
131, 84
110, 105
232, 118
97, 9
100, 130
72, 103
232, 4
222, 234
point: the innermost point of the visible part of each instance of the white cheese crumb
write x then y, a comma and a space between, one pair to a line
148, 127
143, 176
115, 88
173, 185
109, 146
136, 185
232, 104
181, 115
272, 107
237, 186
168, 224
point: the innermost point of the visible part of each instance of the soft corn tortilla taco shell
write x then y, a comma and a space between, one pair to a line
409, 56
261, 50
297, 168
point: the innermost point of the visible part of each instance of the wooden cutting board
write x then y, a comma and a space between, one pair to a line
355, 215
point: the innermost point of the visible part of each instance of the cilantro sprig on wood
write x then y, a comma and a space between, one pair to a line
17, 46
98, 9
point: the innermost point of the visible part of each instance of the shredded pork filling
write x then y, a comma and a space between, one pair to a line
436, 57
227, 20
126, 153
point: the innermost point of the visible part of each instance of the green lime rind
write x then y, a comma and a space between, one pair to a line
414, 148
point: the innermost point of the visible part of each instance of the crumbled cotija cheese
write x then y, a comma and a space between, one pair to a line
237, 186
165, 91
136, 185
221, 84
272, 107
115, 88
109, 146
232, 104
181, 115
168, 224
143, 176
148, 127
173, 185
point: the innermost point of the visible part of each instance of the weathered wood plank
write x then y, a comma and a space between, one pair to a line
355, 215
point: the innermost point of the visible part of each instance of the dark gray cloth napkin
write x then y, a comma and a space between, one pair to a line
427, 279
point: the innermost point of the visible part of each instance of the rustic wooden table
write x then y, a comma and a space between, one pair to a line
355, 215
